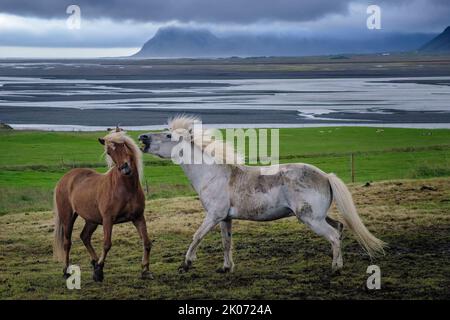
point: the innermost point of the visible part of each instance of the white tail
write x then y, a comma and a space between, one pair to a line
58, 242
346, 207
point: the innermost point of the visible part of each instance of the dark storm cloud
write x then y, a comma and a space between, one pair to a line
428, 13
129, 23
212, 11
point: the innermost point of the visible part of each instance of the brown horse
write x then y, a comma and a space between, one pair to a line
106, 199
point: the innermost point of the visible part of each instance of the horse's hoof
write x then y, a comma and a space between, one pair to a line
185, 266
98, 274
183, 269
223, 270
147, 275
98, 277
336, 272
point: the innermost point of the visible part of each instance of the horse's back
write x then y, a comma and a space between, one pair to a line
306, 175
76, 176
302, 175
307, 187
258, 196
74, 183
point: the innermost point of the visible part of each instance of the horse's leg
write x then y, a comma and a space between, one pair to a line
86, 235
68, 227
228, 264
337, 225
141, 227
201, 232
318, 224
107, 232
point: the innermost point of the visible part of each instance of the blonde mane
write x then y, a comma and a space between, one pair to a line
122, 137
222, 151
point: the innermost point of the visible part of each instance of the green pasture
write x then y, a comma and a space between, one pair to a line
406, 204
32, 162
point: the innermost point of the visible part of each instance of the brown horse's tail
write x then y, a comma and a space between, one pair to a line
58, 242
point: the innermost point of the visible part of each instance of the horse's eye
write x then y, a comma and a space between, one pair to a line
169, 136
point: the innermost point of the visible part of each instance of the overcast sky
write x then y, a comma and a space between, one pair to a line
116, 27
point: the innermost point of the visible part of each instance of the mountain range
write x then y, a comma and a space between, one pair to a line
177, 42
439, 44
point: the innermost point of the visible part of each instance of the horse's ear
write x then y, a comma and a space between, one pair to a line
101, 140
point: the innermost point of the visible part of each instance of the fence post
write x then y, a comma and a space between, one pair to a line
352, 162
146, 187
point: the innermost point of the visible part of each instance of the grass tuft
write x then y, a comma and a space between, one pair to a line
429, 170
13, 200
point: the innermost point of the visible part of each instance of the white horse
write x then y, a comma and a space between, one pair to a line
235, 191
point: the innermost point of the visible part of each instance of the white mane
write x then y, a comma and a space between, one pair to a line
207, 141
122, 137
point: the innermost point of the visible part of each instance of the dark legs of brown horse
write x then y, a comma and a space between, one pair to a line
68, 227
141, 227
98, 264
86, 235
107, 233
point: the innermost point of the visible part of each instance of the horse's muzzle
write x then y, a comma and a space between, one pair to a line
145, 140
125, 169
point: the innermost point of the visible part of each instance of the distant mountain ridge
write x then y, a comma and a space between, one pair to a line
439, 44
177, 42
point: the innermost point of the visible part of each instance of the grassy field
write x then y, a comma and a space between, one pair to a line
274, 260
32, 162
407, 205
